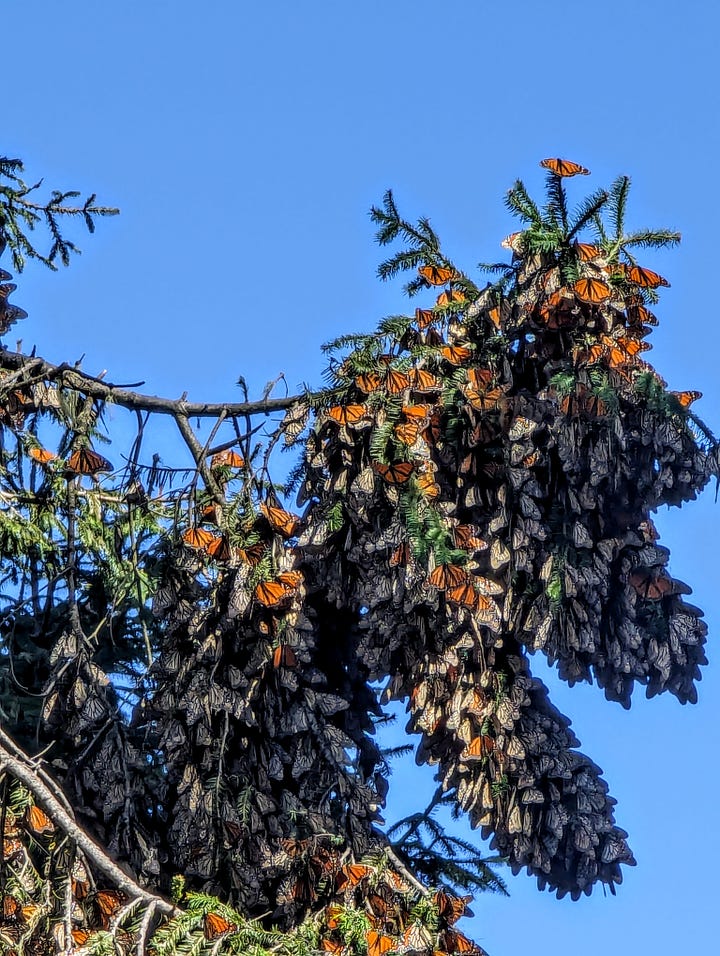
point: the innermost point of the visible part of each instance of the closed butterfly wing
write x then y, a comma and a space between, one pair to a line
215, 925
85, 461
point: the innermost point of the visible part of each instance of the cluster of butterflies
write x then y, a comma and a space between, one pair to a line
477, 484
26, 924
480, 485
9, 314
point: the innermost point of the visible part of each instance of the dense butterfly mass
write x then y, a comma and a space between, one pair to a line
476, 484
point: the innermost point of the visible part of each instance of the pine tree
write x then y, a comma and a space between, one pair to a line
189, 669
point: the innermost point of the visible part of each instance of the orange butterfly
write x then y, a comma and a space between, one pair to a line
592, 290
378, 944
447, 576
564, 167
367, 382
479, 747
347, 414
218, 548
401, 555
637, 313
437, 275
272, 593
513, 242
396, 382
649, 586
215, 925
407, 432
451, 908
416, 412
85, 461
284, 656
646, 278
423, 381
586, 252
80, 936
686, 398
41, 455
464, 595
38, 821
353, 873
447, 298
456, 354
279, 520
455, 942
228, 458
253, 554
199, 539
107, 903
427, 485
395, 474
424, 317
329, 946
466, 538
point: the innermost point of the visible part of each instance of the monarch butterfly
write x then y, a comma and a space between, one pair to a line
428, 486
401, 555
424, 318
564, 167
586, 251
378, 944
437, 275
447, 298
450, 908
272, 593
407, 432
367, 382
85, 461
228, 458
482, 399
353, 874
347, 414
215, 925
279, 520
495, 317
199, 539
38, 821
480, 377
637, 313
646, 278
218, 548
417, 412
253, 554
513, 242
423, 381
456, 354
80, 936
396, 382
466, 538
395, 474
592, 290
479, 747
455, 942
41, 455
108, 902
290, 579
447, 576
649, 586
464, 595
685, 399
330, 946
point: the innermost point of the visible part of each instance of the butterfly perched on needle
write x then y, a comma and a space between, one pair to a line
564, 167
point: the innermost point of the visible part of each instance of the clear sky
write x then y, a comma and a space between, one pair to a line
245, 143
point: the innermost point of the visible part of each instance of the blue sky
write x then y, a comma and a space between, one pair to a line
245, 144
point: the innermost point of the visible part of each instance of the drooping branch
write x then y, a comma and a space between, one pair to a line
14, 760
